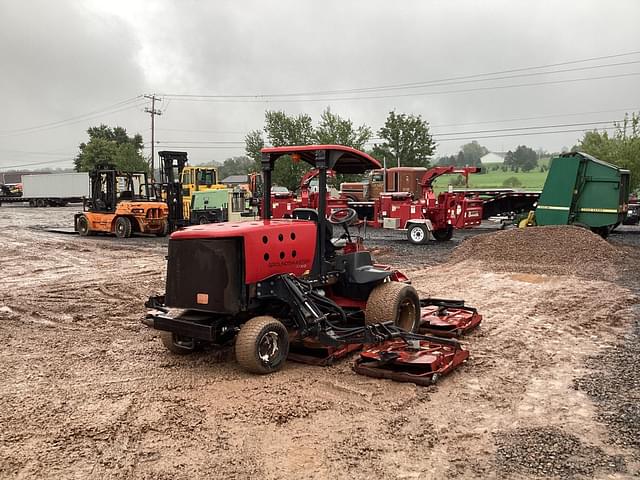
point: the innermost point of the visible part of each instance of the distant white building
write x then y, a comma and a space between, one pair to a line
493, 157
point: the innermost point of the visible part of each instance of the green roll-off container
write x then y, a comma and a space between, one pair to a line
583, 190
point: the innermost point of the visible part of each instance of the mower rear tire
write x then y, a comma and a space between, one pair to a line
262, 345
443, 234
123, 227
418, 234
83, 227
176, 344
396, 302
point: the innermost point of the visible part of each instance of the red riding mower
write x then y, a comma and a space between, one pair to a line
279, 288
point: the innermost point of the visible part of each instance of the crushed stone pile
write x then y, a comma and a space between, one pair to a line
554, 250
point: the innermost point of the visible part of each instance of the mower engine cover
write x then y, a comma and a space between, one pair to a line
210, 267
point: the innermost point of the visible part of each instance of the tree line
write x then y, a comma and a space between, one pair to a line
404, 140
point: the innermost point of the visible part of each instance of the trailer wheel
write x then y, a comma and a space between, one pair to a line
262, 345
418, 234
443, 234
83, 227
396, 302
177, 344
203, 220
32, 203
123, 227
41, 203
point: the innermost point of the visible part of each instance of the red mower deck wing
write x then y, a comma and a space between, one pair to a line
447, 318
396, 360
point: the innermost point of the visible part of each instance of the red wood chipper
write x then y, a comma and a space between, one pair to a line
303, 288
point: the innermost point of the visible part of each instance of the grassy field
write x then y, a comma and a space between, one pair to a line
496, 178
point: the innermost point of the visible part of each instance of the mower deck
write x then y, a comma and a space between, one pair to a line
447, 318
421, 363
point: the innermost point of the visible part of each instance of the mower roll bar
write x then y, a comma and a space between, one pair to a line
338, 158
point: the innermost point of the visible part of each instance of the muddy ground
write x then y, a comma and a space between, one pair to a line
550, 391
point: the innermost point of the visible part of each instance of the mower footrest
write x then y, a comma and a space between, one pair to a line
398, 361
444, 320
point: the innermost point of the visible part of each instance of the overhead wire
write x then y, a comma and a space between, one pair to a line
421, 83
124, 105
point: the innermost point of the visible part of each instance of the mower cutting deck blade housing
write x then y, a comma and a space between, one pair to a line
422, 363
447, 318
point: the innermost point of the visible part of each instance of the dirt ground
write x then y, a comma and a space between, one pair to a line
89, 392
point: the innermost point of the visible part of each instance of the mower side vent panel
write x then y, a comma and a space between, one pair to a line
205, 274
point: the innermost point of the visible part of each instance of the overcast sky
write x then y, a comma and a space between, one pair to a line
68, 65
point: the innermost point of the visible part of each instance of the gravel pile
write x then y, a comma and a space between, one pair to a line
555, 250
551, 453
614, 385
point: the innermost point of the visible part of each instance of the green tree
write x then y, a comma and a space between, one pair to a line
473, 152
335, 130
621, 148
283, 130
113, 146
525, 158
253, 143
407, 141
236, 166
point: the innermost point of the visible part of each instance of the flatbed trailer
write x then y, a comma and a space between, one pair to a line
503, 202
40, 201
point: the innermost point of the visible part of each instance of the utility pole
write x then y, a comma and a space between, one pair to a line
153, 113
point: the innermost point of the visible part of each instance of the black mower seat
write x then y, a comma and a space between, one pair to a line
359, 268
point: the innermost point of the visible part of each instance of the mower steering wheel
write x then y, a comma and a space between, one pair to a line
342, 216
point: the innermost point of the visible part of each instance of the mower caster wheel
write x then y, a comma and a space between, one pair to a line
262, 345
396, 302
177, 344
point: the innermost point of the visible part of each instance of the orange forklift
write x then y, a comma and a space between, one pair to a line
121, 204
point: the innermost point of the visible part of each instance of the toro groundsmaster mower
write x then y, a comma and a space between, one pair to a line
303, 288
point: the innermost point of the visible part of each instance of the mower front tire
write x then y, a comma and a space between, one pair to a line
396, 302
262, 345
123, 227
176, 344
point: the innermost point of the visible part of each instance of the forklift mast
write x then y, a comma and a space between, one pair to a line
171, 166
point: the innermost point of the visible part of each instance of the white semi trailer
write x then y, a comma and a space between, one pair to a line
52, 189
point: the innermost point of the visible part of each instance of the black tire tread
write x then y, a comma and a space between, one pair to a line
128, 227
246, 344
383, 301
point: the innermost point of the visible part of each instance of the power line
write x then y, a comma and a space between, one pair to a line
413, 94
523, 134
69, 121
73, 122
415, 84
47, 162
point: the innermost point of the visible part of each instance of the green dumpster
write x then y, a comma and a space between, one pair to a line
582, 190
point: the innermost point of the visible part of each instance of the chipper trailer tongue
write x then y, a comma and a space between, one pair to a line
279, 288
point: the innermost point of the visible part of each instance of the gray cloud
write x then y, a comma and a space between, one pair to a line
66, 58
